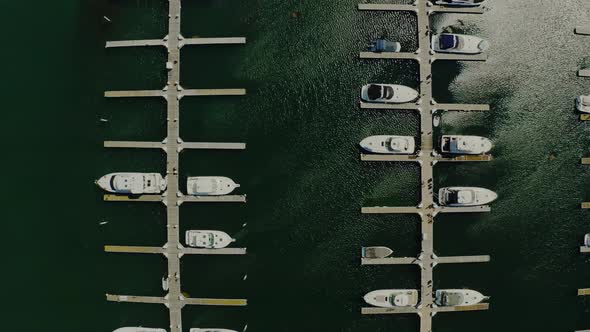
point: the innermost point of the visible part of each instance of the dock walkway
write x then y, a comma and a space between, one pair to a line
427, 209
173, 145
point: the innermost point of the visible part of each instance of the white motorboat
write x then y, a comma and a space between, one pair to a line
376, 252
210, 185
456, 43
460, 3
388, 93
138, 329
388, 144
583, 104
465, 196
457, 297
207, 239
461, 144
132, 183
383, 45
587, 240
390, 298
210, 330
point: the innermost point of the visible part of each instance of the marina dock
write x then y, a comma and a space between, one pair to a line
173, 145
427, 158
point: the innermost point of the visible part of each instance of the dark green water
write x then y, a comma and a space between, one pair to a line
301, 171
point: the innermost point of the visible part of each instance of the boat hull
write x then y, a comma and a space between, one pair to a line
401, 94
382, 144
467, 44
465, 145
138, 329
383, 298
210, 330
376, 252
468, 297
210, 185
465, 196
459, 4
580, 105
147, 183
214, 239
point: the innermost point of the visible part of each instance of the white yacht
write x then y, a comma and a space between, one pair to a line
587, 240
210, 330
388, 144
461, 144
465, 196
133, 183
210, 185
388, 93
460, 3
207, 239
457, 297
583, 104
390, 298
376, 252
456, 43
138, 329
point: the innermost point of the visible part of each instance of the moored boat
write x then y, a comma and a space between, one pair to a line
390, 298
194, 329
133, 183
460, 3
388, 93
383, 45
462, 144
388, 144
210, 185
376, 252
587, 240
207, 239
138, 329
457, 297
465, 196
456, 43
583, 104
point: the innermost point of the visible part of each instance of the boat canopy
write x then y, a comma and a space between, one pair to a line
585, 100
382, 45
447, 41
399, 144
451, 299
401, 300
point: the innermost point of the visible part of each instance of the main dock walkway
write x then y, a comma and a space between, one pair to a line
427, 209
173, 145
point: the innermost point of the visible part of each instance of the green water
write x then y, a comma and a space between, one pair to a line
301, 171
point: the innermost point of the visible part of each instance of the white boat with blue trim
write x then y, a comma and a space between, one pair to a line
457, 43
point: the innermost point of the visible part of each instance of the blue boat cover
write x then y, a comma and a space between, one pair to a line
448, 41
381, 45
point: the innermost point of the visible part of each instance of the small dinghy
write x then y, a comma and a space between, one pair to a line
583, 104
210, 185
391, 298
383, 45
456, 43
460, 3
388, 93
376, 252
138, 329
387, 144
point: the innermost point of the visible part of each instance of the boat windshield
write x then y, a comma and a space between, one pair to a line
374, 91
447, 41
387, 92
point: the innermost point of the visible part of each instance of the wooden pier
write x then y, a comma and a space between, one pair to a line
427, 209
173, 145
